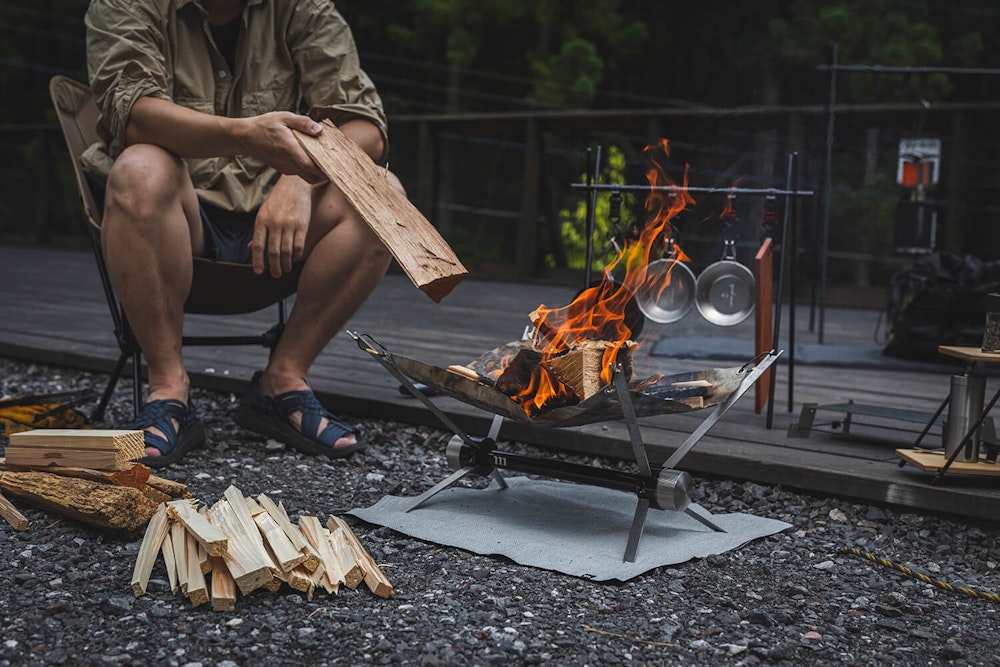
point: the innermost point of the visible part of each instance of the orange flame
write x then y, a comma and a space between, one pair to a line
599, 312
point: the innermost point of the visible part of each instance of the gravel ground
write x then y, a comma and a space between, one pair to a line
789, 599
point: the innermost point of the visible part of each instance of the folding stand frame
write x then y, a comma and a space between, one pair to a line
661, 487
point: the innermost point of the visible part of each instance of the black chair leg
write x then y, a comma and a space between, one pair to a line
136, 383
102, 406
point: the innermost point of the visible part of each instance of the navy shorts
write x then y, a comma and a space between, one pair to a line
228, 234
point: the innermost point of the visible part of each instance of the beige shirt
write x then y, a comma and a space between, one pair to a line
289, 52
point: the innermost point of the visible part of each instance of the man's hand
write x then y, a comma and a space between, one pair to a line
269, 138
281, 226
193, 134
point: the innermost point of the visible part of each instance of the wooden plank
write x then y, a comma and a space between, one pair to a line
933, 461
315, 533
969, 354
197, 589
375, 579
216, 542
763, 317
156, 532
223, 586
280, 516
418, 248
80, 448
169, 560
11, 515
245, 556
354, 574
135, 475
168, 486
284, 552
178, 544
100, 505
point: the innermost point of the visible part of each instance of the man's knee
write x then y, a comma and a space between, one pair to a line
143, 181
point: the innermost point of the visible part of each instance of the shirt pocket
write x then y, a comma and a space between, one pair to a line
264, 100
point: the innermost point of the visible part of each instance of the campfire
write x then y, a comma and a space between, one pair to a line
574, 350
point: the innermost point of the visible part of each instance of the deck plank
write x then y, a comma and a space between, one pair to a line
59, 315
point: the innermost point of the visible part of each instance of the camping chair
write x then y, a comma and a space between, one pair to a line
217, 288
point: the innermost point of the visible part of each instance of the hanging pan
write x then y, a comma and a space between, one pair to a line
725, 290
667, 291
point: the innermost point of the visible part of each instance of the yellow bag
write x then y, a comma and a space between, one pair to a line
46, 411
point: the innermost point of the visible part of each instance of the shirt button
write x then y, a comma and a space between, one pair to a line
222, 74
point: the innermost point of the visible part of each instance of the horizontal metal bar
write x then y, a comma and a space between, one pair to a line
888, 69
680, 188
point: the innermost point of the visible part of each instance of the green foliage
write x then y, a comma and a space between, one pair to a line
570, 78
573, 219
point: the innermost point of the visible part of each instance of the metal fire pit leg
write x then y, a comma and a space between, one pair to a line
369, 345
492, 437
722, 409
438, 488
702, 519
635, 531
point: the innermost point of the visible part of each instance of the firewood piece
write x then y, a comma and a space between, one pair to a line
154, 496
10, 514
278, 513
209, 536
134, 474
169, 560
580, 368
299, 578
156, 532
418, 248
223, 586
173, 489
353, 573
284, 552
100, 505
178, 542
315, 533
516, 377
238, 502
80, 448
463, 371
374, 578
245, 557
692, 383
197, 588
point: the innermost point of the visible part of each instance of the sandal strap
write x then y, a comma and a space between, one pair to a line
158, 414
313, 413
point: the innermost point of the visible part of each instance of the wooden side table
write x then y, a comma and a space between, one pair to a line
970, 356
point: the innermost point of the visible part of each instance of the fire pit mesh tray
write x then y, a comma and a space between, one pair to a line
667, 395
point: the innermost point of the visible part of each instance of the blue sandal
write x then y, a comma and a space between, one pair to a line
269, 415
174, 444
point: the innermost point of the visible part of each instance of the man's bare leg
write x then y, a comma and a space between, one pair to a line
345, 261
151, 229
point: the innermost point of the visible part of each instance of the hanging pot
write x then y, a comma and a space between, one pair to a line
725, 290
667, 291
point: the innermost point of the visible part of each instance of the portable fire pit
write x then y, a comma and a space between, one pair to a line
661, 487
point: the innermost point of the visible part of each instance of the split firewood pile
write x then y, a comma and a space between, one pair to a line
242, 544
86, 474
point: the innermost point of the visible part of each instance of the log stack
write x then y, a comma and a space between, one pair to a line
244, 544
85, 474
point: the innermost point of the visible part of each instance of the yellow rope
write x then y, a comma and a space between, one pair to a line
972, 593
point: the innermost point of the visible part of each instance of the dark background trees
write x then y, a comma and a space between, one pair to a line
435, 58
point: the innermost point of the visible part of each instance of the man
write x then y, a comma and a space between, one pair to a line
198, 101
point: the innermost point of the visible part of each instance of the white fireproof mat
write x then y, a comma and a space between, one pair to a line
575, 529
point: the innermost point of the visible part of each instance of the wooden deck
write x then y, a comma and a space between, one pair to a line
57, 314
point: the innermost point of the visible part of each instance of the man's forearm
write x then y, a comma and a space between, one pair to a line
185, 132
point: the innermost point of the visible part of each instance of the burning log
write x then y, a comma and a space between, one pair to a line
583, 366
